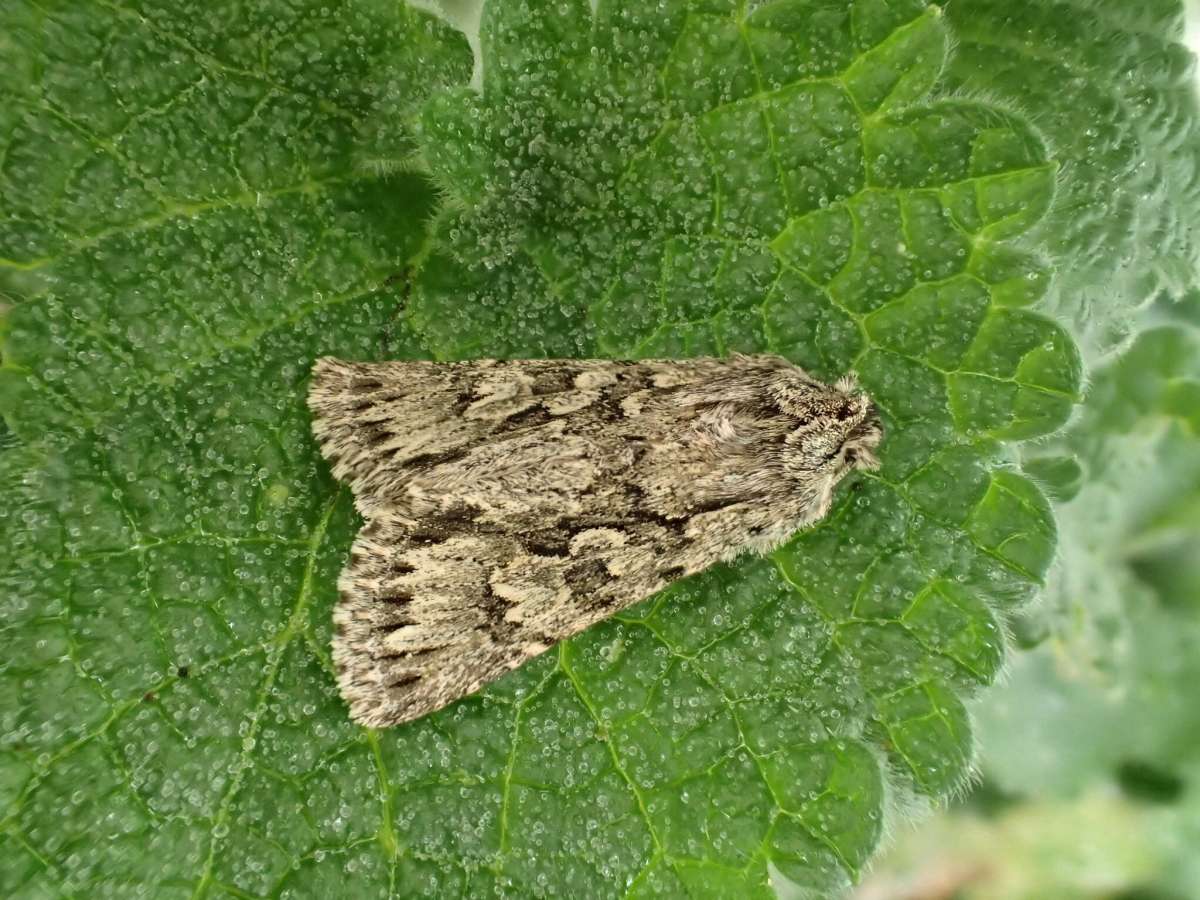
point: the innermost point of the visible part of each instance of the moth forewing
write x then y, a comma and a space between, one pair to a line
509, 505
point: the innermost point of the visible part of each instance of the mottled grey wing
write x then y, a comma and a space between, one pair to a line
379, 422
510, 505
465, 473
420, 625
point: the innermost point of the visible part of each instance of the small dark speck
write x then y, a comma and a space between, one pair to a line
149, 697
182, 671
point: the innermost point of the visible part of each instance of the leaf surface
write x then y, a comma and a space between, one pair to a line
1111, 86
695, 179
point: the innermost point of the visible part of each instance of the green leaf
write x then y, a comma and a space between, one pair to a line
1111, 88
1092, 743
702, 179
1115, 93
185, 226
1114, 681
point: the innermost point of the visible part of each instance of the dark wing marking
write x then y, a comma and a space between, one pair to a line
379, 424
418, 626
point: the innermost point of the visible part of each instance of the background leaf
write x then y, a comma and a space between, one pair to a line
1122, 609
1111, 88
1090, 746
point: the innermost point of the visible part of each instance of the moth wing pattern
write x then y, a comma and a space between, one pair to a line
432, 606
509, 505
417, 625
379, 423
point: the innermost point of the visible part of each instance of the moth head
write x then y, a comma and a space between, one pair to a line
837, 431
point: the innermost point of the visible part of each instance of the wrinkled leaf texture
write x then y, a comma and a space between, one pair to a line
197, 202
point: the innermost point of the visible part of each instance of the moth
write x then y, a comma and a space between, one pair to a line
510, 504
